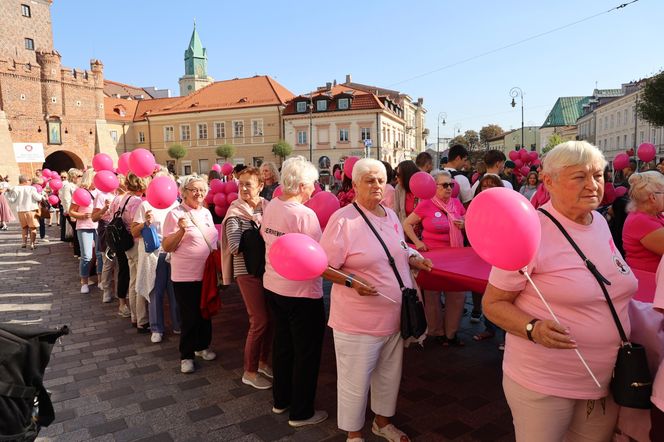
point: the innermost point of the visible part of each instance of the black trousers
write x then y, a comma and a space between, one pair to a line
657, 424
298, 340
77, 246
63, 227
123, 275
196, 331
42, 227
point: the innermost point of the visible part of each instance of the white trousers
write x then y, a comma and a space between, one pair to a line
365, 361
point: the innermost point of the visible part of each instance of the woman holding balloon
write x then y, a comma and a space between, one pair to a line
102, 214
366, 303
554, 393
86, 229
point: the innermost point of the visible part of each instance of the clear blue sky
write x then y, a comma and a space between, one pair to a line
304, 44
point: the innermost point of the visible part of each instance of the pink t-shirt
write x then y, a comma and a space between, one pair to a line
637, 225
100, 202
129, 211
352, 247
435, 224
280, 218
410, 203
86, 223
188, 260
577, 300
657, 397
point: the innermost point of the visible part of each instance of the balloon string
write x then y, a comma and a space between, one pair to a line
361, 283
553, 315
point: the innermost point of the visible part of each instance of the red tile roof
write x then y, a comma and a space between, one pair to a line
114, 108
361, 100
116, 89
154, 106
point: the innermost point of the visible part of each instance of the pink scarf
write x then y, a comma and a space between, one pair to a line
450, 209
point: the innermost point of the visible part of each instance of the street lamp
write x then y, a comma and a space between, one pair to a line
311, 128
441, 116
517, 92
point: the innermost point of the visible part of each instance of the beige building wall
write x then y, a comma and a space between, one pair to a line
531, 137
497, 144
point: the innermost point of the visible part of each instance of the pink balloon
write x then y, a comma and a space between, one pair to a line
523, 154
220, 211
646, 152
475, 177
162, 192
337, 175
106, 181
317, 188
227, 169
621, 191
518, 163
219, 199
44, 183
55, 184
141, 162
216, 167
621, 161
209, 197
277, 192
533, 155
82, 197
456, 189
123, 163
514, 155
231, 187
422, 185
525, 170
53, 200
297, 257
46, 173
102, 161
348, 166
536, 162
217, 186
230, 197
324, 204
38, 187
502, 212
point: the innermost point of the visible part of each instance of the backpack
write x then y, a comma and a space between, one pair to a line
252, 247
118, 238
25, 404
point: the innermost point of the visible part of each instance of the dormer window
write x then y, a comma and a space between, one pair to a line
301, 106
343, 103
321, 105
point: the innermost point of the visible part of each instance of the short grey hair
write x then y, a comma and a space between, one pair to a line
438, 173
273, 170
366, 165
572, 153
23, 179
186, 180
295, 171
641, 185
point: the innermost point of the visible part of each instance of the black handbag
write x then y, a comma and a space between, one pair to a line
118, 238
252, 247
413, 321
631, 383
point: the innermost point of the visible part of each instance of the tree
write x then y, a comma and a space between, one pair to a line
459, 139
472, 139
650, 106
225, 151
490, 131
177, 151
554, 140
282, 149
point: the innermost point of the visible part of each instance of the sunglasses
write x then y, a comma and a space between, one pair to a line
446, 185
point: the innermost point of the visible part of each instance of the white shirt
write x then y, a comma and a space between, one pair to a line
65, 195
465, 192
25, 197
505, 183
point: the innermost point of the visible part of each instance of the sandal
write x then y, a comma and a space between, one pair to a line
453, 342
484, 335
389, 432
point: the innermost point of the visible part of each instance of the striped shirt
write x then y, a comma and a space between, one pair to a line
234, 228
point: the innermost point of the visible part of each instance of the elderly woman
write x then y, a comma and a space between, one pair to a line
551, 395
68, 187
643, 231
190, 236
297, 306
442, 222
270, 177
366, 304
245, 213
530, 186
26, 198
86, 230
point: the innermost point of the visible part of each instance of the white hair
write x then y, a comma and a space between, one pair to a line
366, 165
641, 185
295, 171
186, 180
572, 153
435, 174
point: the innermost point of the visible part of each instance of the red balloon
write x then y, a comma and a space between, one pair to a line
621, 161
162, 192
514, 155
317, 188
209, 197
348, 166
230, 197
422, 185
523, 154
518, 163
53, 200
141, 162
102, 161
82, 197
337, 174
227, 169
533, 155
525, 170
216, 167
106, 181
55, 184
46, 173
646, 152
620, 191
231, 187
324, 204
220, 211
536, 162
219, 199
123, 163
217, 186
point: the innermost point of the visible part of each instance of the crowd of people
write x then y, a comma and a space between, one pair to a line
375, 244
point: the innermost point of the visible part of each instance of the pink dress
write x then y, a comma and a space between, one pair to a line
6, 214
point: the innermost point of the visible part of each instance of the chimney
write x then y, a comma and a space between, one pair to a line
349, 79
420, 101
328, 85
334, 83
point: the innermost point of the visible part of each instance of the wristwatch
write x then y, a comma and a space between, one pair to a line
349, 281
529, 329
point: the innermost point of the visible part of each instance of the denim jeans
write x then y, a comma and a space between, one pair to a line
87, 239
163, 285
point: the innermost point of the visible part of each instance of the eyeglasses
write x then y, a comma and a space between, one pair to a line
79, 176
445, 185
195, 191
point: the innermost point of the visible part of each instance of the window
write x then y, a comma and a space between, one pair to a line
321, 105
141, 137
169, 133
612, 121
202, 131
203, 166
301, 137
185, 132
25, 11
344, 103
301, 106
220, 130
186, 168
641, 137
606, 123
114, 136
29, 44
625, 140
366, 133
618, 142
343, 135
618, 119
625, 116
238, 129
256, 128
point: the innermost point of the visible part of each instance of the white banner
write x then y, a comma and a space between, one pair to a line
29, 152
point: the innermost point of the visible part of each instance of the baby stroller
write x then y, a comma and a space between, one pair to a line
25, 405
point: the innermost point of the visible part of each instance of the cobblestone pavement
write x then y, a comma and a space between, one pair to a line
109, 383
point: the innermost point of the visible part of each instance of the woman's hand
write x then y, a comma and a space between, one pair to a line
552, 335
363, 288
182, 223
460, 223
149, 218
420, 263
420, 246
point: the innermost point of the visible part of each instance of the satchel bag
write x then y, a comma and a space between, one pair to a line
118, 238
631, 383
413, 321
252, 247
210, 299
44, 209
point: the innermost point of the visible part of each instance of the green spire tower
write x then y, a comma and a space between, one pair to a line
195, 66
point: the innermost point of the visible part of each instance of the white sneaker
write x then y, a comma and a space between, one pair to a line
318, 417
156, 338
206, 355
187, 366
260, 383
85, 289
267, 372
106, 298
123, 311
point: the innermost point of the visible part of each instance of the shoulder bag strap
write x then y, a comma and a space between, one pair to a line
387, 252
199, 227
598, 276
